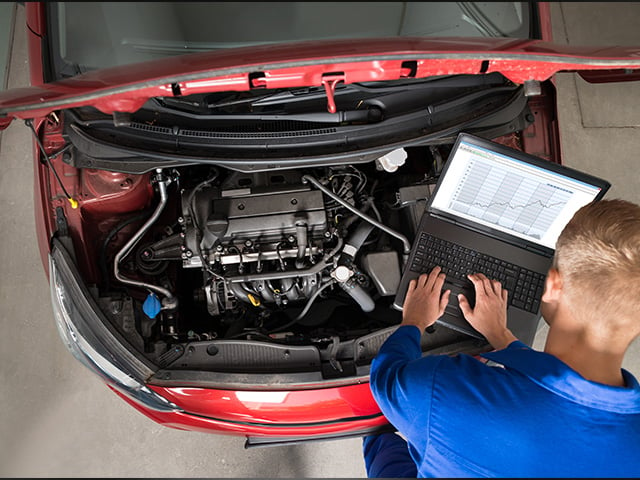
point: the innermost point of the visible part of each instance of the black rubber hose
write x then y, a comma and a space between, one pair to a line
305, 310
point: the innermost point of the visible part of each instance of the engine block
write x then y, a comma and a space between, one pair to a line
250, 225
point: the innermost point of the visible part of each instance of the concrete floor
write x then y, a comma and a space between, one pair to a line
59, 420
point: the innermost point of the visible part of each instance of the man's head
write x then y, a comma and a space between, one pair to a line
598, 260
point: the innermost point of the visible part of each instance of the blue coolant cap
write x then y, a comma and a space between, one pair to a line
152, 306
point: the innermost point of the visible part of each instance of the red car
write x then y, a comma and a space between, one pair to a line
225, 191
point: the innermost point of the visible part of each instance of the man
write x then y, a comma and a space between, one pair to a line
570, 411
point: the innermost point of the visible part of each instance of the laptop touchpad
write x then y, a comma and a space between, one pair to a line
467, 290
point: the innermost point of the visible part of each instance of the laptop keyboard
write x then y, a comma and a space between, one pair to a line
524, 286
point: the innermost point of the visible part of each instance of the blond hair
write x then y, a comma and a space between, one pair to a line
598, 256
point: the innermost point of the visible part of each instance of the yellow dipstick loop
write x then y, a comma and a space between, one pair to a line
254, 301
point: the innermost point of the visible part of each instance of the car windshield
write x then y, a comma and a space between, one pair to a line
93, 35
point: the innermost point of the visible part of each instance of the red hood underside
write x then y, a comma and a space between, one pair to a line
127, 88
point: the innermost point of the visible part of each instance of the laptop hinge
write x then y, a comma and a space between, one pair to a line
515, 241
539, 251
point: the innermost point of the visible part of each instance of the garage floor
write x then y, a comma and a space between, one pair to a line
58, 420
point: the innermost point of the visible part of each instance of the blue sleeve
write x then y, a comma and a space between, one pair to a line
401, 382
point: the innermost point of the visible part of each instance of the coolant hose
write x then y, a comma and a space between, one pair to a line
356, 240
360, 295
405, 242
301, 239
170, 300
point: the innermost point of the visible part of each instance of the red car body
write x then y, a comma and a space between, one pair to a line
268, 413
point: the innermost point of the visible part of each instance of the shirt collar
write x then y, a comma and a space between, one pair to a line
553, 374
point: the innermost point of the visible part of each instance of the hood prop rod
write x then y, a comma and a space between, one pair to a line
329, 82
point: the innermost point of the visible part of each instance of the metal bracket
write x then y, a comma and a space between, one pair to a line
532, 88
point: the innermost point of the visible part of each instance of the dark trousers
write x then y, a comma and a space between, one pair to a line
387, 456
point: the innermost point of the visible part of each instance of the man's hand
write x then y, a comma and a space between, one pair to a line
424, 302
489, 316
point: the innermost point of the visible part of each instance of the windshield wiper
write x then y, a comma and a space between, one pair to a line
163, 47
365, 115
273, 98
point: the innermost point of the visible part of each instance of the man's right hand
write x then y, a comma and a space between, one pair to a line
489, 316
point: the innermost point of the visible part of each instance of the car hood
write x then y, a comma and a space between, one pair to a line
318, 63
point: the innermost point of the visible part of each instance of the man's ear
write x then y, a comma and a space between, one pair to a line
552, 286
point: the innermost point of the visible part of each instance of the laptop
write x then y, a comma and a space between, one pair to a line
497, 211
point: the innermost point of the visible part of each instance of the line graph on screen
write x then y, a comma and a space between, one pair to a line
509, 199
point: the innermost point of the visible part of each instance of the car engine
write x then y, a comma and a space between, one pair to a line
290, 255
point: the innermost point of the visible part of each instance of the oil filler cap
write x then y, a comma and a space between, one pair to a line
152, 306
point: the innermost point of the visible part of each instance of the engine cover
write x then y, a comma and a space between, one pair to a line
263, 216
271, 216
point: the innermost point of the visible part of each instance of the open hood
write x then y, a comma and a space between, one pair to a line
318, 63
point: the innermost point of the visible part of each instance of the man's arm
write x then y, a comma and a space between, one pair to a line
401, 384
401, 381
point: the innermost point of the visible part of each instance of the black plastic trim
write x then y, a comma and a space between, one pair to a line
258, 442
101, 154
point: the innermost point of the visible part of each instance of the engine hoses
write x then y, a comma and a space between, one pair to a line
306, 308
359, 295
169, 301
405, 242
301, 239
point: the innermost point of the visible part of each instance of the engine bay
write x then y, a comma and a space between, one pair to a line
302, 264
223, 246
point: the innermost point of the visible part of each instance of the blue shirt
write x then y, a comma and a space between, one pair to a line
536, 417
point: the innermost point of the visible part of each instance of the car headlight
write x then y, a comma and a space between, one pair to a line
89, 337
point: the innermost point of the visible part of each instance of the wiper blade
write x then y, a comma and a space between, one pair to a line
377, 89
366, 115
163, 47
273, 98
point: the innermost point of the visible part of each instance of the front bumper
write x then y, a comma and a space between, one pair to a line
284, 416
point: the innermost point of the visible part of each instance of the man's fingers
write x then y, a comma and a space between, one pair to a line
463, 303
439, 282
478, 283
410, 289
487, 284
497, 287
432, 278
505, 296
444, 300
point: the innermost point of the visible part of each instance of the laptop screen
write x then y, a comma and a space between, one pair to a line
519, 197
